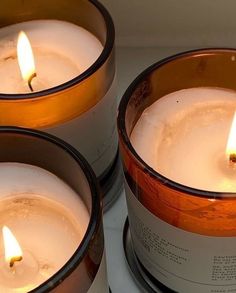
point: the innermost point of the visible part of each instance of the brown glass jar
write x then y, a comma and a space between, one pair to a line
166, 218
85, 271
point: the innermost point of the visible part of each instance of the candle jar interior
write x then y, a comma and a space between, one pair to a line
29, 147
192, 210
71, 99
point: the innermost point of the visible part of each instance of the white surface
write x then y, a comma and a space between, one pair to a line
193, 124
130, 62
174, 23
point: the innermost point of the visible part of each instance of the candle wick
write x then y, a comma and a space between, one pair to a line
15, 259
232, 158
30, 80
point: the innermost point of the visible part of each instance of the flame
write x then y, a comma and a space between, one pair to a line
231, 145
25, 57
13, 250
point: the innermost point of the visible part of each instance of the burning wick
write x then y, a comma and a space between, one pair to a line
13, 252
231, 144
232, 158
30, 80
26, 59
14, 259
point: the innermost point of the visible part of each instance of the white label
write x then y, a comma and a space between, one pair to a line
100, 284
183, 261
94, 132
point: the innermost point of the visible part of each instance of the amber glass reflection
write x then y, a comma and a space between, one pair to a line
67, 101
192, 210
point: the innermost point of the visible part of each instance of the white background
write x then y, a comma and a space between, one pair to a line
174, 22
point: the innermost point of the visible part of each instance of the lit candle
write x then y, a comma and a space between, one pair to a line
26, 59
231, 144
188, 130
176, 125
61, 51
13, 252
42, 221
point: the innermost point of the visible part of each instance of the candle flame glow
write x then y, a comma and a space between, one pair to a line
25, 57
231, 145
12, 248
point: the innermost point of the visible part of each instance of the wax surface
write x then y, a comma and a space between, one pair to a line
48, 219
183, 136
61, 49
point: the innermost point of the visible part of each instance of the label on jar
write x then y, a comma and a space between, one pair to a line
93, 133
100, 284
183, 261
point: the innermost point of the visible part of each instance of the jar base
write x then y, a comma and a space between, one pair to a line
111, 183
145, 281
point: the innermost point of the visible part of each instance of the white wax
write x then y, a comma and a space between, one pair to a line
61, 49
47, 218
183, 136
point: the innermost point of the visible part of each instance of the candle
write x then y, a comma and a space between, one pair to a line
179, 161
71, 92
188, 130
51, 233
61, 51
47, 218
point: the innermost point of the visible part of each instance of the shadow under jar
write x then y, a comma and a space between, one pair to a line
50, 202
182, 201
74, 92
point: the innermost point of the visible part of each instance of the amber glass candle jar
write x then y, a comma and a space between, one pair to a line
23, 152
184, 237
82, 110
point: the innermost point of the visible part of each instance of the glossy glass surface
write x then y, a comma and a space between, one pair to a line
190, 209
69, 100
45, 151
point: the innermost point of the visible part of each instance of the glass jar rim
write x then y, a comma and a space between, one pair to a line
121, 122
107, 49
95, 215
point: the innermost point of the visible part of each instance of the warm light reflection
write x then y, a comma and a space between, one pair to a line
12, 248
25, 57
231, 145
